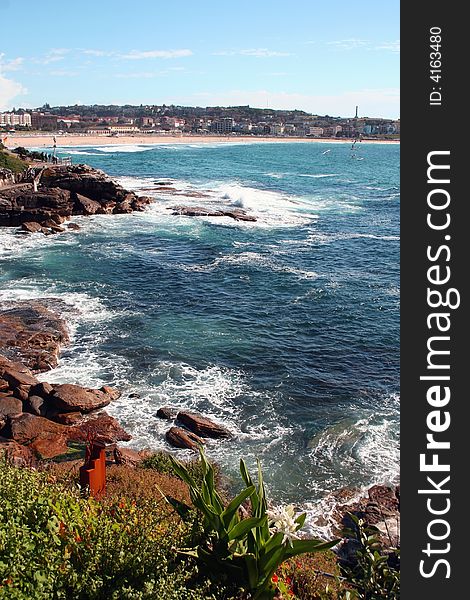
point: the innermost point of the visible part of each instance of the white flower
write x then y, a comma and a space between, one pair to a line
283, 521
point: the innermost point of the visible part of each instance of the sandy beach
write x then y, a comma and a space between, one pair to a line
46, 140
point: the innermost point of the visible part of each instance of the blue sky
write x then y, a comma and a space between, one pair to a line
322, 57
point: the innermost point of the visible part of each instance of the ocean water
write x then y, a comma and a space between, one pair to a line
286, 329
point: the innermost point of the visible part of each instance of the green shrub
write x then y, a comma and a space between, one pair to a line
248, 549
163, 463
375, 574
8, 161
54, 543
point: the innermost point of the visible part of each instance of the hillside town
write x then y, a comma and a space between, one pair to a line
112, 120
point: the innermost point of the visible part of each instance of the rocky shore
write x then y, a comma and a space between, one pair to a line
56, 193
41, 421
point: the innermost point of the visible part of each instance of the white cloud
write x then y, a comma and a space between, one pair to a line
63, 73
13, 64
257, 52
139, 55
391, 46
354, 44
144, 75
372, 102
9, 89
99, 52
53, 55
349, 44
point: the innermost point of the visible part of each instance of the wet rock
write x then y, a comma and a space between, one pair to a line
73, 226
72, 398
33, 334
202, 426
182, 438
86, 206
65, 191
167, 412
198, 211
31, 227
18, 379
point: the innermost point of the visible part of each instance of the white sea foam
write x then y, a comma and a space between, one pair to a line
76, 307
328, 238
13, 245
131, 148
317, 176
254, 259
211, 391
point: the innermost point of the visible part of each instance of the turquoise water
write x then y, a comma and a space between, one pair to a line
286, 330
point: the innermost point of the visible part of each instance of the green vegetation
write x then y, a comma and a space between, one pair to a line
55, 542
9, 161
248, 549
375, 574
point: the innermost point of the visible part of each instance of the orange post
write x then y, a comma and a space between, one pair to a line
93, 472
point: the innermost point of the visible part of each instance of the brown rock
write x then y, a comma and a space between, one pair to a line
103, 426
202, 426
31, 227
10, 406
182, 438
126, 456
72, 398
201, 211
113, 393
33, 334
18, 379
42, 389
49, 445
25, 428
22, 392
71, 418
36, 405
167, 412
85, 205
16, 454
73, 226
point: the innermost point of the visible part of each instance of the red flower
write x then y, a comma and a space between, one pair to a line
288, 580
274, 578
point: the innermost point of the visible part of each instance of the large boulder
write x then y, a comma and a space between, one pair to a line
167, 412
182, 438
16, 454
15, 379
31, 333
45, 438
129, 457
202, 426
100, 425
200, 211
25, 428
19, 205
72, 398
86, 206
9, 405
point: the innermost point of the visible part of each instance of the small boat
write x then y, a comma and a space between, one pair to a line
326, 151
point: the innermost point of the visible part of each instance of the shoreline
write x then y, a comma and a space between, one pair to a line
46, 141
